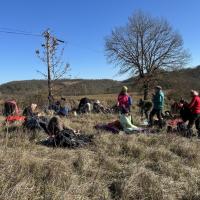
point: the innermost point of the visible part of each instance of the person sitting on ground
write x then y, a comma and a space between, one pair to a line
98, 107
61, 136
184, 111
30, 110
84, 105
124, 100
56, 125
194, 107
158, 104
55, 106
145, 107
126, 122
175, 107
63, 109
11, 108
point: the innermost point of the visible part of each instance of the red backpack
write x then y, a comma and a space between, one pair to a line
123, 100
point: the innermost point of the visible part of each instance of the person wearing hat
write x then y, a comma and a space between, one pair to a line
194, 107
124, 100
158, 104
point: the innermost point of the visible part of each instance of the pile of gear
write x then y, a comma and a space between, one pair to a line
61, 136
67, 138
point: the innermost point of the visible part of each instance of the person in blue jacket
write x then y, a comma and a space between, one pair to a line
158, 104
63, 109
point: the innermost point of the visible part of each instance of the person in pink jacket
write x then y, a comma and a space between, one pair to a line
124, 100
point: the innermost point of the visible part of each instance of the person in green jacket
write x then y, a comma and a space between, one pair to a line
158, 104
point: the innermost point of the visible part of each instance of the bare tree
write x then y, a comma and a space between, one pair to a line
145, 46
52, 56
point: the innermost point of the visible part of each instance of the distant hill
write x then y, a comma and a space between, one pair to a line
64, 87
178, 82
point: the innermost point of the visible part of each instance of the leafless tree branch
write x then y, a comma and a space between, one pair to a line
144, 46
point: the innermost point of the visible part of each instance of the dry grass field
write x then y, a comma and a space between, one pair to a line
127, 167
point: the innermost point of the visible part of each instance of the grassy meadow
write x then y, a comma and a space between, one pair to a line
115, 167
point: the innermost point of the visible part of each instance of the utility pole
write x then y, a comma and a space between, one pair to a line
52, 57
47, 37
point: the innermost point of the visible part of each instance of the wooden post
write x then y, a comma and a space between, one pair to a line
48, 37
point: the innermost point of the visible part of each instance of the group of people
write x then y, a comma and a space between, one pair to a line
189, 112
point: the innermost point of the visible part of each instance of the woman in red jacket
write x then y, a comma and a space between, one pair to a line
194, 107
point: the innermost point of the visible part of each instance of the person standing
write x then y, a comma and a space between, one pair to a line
158, 104
124, 100
194, 107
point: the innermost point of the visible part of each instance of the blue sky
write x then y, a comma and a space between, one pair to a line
84, 24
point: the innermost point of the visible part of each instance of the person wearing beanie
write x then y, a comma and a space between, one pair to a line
124, 100
158, 104
124, 89
194, 107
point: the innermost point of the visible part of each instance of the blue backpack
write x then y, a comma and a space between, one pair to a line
130, 101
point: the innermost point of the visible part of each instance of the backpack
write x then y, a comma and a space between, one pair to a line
130, 101
123, 100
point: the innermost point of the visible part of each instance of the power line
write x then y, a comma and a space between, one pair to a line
18, 32
21, 32
15, 30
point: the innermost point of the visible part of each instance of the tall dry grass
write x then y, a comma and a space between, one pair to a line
139, 167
